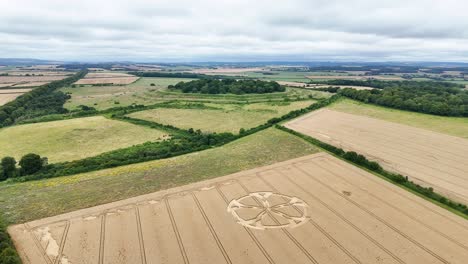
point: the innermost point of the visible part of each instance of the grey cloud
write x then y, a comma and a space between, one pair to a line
210, 29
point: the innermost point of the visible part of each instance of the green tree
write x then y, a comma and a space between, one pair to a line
9, 168
30, 163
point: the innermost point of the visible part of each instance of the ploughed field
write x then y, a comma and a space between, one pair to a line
28, 81
429, 158
73, 139
314, 209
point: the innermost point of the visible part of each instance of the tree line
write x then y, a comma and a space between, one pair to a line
215, 86
436, 100
381, 84
29, 164
41, 101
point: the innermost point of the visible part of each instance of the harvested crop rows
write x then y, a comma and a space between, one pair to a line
314, 209
441, 164
28, 81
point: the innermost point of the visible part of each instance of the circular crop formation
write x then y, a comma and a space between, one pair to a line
266, 210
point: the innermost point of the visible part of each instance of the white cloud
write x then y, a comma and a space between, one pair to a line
185, 30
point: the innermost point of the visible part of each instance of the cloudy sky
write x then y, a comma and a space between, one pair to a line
235, 30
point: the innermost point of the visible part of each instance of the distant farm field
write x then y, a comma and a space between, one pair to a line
72, 139
455, 126
107, 78
103, 97
227, 118
143, 92
428, 158
28, 81
37, 199
8, 95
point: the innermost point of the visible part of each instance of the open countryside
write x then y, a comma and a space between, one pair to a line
237, 132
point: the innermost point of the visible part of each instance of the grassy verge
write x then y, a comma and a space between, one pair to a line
21, 202
376, 169
455, 126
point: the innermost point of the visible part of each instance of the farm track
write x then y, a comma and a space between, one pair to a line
352, 217
429, 158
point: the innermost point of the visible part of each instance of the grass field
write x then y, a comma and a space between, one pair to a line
455, 126
20, 202
228, 118
72, 139
103, 97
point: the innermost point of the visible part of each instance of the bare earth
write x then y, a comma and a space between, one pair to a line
428, 158
29, 79
314, 209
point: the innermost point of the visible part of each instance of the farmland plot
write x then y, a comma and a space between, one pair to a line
108, 78
314, 209
8, 95
428, 158
224, 118
73, 139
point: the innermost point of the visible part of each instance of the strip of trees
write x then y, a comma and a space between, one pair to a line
29, 164
8, 254
44, 100
214, 86
436, 99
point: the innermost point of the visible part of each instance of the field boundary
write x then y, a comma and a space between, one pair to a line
375, 168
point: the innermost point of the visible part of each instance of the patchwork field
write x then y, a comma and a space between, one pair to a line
8, 95
28, 81
73, 139
226, 118
455, 126
21, 202
107, 78
315, 209
143, 92
428, 158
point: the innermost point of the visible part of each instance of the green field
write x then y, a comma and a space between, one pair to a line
226, 118
20, 202
73, 139
103, 97
455, 126
141, 92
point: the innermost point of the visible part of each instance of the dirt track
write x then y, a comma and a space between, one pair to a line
330, 212
429, 158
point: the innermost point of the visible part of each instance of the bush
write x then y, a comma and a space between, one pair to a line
8, 165
30, 163
8, 254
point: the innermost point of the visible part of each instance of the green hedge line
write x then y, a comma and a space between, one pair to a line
8, 254
398, 179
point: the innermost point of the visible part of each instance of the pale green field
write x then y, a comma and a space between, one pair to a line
20, 202
73, 139
103, 97
228, 118
455, 126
